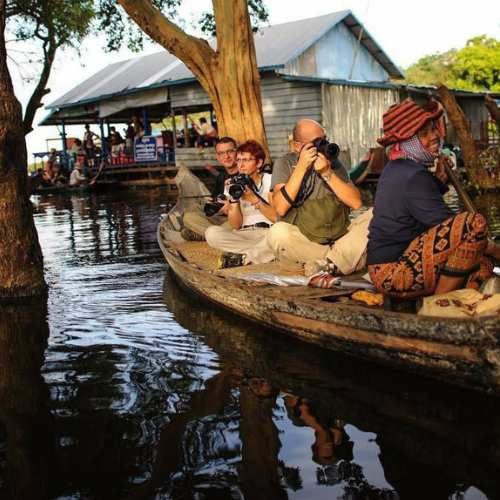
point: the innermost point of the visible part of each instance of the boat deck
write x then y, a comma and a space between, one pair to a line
204, 257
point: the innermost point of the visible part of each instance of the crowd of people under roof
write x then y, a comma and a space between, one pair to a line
86, 153
411, 242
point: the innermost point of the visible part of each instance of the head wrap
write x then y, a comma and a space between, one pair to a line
412, 149
402, 121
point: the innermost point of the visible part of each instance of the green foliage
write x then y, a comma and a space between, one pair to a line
258, 15
474, 67
63, 22
119, 29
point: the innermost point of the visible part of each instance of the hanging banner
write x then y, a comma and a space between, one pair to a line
145, 149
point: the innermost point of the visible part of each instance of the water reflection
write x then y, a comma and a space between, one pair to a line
147, 393
376, 434
28, 457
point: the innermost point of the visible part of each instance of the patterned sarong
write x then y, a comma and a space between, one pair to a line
453, 248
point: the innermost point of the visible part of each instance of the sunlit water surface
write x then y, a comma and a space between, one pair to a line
146, 392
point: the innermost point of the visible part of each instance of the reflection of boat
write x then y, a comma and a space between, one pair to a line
448, 434
461, 351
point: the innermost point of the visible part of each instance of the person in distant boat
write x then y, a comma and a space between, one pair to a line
77, 177
196, 222
417, 245
313, 196
48, 173
206, 132
59, 177
250, 212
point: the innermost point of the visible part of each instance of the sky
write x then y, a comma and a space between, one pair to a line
406, 31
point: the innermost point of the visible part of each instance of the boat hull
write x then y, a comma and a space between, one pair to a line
461, 352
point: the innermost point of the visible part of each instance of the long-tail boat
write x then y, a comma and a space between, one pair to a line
459, 351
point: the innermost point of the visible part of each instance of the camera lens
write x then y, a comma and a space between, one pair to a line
332, 150
236, 191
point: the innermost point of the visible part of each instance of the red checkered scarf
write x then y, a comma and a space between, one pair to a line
412, 149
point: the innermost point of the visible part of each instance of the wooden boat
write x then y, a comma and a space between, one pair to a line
464, 352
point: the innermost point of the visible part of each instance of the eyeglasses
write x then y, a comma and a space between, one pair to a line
228, 152
245, 160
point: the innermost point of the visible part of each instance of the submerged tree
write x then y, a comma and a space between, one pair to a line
228, 72
21, 263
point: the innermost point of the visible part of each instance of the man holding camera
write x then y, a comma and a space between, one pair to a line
313, 196
215, 213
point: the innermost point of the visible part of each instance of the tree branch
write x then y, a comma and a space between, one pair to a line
493, 109
194, 52
40, 91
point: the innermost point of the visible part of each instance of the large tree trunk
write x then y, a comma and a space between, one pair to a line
477, 174
21, 263
229, 75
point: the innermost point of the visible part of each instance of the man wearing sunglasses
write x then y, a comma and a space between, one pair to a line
197, 222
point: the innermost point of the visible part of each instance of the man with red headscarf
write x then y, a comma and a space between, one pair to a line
417, 246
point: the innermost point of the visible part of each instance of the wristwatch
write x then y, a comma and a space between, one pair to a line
326, 177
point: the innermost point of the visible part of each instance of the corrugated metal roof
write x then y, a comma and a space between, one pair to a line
275, 46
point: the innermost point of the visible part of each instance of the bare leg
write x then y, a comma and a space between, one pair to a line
447, 284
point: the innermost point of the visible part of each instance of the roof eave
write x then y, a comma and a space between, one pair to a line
165, 83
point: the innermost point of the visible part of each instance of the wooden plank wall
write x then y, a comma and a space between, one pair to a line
353, 116
283, 103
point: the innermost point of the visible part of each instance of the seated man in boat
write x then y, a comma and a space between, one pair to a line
77, 177
250, 213
313, 196
417, 245
197, 222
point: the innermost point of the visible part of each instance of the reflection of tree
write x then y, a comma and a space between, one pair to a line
24, 410
260, 447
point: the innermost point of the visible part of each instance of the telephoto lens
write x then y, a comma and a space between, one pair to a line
328, 149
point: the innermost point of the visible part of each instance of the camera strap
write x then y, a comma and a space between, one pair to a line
254, 188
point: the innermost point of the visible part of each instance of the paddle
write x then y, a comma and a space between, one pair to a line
462, 193
94, 179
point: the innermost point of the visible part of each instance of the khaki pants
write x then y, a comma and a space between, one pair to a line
252, 243
347, 253
198, 222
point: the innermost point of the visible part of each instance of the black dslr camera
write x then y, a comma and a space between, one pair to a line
328, 149
212, 207
237, 185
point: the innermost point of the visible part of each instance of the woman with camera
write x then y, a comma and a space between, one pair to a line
250, 213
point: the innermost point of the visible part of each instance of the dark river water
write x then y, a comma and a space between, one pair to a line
126, 386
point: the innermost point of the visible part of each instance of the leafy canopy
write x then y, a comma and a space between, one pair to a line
119, 29
474, 67
66, 22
